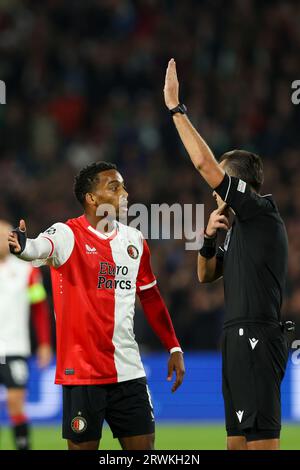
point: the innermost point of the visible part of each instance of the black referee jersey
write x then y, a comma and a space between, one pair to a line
254, 348
254, 254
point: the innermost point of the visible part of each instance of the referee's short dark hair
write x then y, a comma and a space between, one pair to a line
245, 165
87, 178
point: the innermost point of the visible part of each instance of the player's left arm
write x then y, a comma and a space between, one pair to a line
40, 316
198, 150
158, 317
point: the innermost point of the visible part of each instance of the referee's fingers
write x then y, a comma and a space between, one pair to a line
222, 208
223, 219
221, 225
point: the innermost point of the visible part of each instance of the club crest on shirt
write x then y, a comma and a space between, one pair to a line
78, 424
133, 251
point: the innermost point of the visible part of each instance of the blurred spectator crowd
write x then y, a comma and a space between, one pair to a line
84, 83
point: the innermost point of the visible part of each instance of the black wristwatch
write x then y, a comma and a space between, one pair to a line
180, 108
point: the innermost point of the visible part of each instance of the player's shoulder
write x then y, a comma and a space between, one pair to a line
131, 233
58, 228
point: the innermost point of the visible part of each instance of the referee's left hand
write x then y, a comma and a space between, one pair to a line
176, 363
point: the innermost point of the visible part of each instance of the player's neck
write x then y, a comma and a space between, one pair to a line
95, 222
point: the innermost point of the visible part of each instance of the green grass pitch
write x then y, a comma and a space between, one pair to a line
171, 437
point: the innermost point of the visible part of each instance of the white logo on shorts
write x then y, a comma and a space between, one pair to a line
240, 415
253, 342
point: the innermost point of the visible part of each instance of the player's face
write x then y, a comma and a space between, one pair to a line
111, 190
4, 230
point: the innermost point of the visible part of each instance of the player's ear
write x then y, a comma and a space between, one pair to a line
90, 199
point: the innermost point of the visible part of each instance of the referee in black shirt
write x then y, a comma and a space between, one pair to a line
253, 263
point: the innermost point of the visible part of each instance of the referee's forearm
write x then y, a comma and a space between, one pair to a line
207, 269
195, 146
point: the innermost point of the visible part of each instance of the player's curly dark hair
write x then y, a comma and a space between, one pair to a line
88, 177
245, 165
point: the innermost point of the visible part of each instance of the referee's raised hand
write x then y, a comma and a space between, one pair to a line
17, 238
217, 220
171, 88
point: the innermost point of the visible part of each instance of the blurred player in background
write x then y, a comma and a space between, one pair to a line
21, 290
97, 269
253, 263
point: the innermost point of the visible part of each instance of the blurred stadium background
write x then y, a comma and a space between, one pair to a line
84, 83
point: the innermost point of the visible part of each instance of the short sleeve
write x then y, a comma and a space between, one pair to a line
62, 241
245, 202
145, 277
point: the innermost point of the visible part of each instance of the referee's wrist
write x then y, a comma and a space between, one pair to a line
211, 237
209, 247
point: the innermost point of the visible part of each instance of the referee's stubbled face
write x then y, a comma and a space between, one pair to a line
5, 228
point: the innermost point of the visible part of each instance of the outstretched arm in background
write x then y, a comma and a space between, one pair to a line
54, 246
25, 248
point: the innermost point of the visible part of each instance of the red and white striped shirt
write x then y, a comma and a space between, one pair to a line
95, 279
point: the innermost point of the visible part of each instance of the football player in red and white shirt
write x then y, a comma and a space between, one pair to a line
21, 292
96, 273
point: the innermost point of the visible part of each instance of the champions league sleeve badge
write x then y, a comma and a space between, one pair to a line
51, 231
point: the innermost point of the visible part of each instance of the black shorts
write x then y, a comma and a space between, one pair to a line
14, 373
254, 363
125, 406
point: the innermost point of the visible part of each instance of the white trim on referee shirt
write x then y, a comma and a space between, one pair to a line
228, 188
